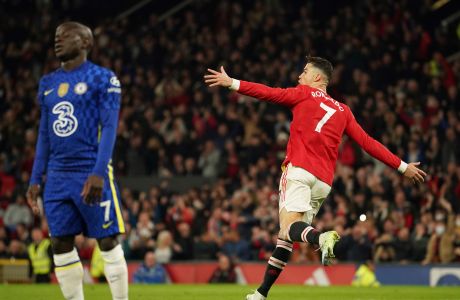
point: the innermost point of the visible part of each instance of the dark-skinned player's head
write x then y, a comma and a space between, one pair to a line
317, 71
72, 39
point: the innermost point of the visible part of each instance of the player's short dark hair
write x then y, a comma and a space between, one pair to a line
323, 64
82, 30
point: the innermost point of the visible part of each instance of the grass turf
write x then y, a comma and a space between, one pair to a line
235, 292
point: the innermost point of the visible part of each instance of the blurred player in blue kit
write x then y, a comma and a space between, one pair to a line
79, 105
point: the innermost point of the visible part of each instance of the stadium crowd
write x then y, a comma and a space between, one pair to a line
389, 69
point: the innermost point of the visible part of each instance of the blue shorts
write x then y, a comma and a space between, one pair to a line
67, 214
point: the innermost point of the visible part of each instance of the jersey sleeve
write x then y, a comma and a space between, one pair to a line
108, 107
43, 144
284, 96
370, 145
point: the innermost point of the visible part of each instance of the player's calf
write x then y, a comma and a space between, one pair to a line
115, 268
302, 232
69, 273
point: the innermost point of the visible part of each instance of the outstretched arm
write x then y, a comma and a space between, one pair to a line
379, 151
288, 97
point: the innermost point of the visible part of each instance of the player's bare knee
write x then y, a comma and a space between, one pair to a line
62, 244
107, 243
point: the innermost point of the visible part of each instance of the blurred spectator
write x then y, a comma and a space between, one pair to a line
403, 246
183, 246
4, 236
140, 238
365, 276
355, 246
3, 250
22, 234
40, 256
441, 244
419, 243
18, 213
385, 250
171, 125
16, 250
235, 247
450, 152
163, 250
150, 271
225, 272
97, 265
209, 160
180, 211
262, 243
205, 247
457, 240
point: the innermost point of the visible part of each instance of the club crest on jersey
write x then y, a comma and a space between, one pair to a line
63, 89
80, 88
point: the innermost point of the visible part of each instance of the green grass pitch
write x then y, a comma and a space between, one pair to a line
235, 292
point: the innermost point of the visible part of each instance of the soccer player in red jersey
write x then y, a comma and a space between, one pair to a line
316, 131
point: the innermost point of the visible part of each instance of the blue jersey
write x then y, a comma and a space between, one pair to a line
79, 117
78, 123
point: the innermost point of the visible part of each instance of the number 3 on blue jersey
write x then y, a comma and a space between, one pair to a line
67, 123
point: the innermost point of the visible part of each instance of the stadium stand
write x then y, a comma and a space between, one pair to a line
402, 92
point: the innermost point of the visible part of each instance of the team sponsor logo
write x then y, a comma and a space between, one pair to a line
114, 90
318, 277
66, 123
107, 225
444, 276
114, 81
47, 92
80, 88
63, 89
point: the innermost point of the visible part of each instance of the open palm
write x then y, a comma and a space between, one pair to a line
216, 78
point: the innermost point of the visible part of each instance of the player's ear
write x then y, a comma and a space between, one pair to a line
85, 43
318, 77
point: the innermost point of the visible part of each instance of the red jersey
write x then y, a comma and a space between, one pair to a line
317, 128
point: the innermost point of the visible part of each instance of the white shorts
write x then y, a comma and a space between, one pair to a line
301, 191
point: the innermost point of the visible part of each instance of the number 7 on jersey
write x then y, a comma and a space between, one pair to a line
327, 116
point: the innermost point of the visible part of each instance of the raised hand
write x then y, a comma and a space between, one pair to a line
216, 78
414, 174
